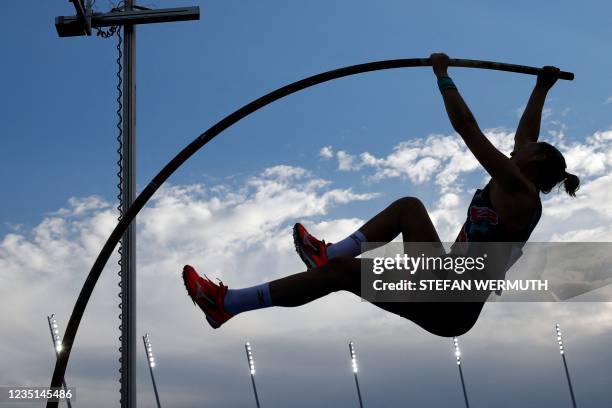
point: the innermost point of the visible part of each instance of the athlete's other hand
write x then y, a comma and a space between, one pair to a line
439, 63
548, 77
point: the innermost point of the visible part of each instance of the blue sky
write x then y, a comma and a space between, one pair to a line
57, 160
59, 93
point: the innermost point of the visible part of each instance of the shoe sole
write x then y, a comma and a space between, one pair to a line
297, 242
209, 319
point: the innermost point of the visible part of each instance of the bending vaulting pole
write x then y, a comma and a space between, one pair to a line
204, 138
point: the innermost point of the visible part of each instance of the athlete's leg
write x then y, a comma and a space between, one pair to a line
407, 216
301, 288
441, 318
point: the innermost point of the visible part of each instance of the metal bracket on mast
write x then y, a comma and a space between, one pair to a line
81, 24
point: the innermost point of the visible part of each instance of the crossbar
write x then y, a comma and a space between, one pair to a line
72, 26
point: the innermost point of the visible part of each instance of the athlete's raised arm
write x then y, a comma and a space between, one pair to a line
497, 164
529, 126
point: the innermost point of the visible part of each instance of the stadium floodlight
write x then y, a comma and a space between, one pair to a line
458, 360
457, 350
57, 346
562, 352
57, 341
251, 362
559, 338
355, 370
149, 350
151, 363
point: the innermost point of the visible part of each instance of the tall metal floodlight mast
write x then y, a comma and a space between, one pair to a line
151, 362
458, 358
562, 352
127, 17
355, 369
249, 354
57, 346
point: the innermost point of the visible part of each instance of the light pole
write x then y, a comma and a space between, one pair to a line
355, 370
151, 363
127, 17
562, 352
458, 359
251, 361
57, 346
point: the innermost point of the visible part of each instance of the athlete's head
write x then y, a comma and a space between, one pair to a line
545, 166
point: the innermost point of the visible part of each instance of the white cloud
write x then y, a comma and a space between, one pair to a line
588, 217
590, 157
546, 112
242, 235
79, 206
346, 162
219, 226
596, 234
608, 101
326, 152
446, 160
285, 173
209, 226
442, 158
448, 215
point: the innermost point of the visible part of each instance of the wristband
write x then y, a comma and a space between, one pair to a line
446, 83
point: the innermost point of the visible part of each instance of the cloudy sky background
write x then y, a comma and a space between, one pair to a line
330, 157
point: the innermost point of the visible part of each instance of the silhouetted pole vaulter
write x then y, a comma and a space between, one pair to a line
126, 17
210, 134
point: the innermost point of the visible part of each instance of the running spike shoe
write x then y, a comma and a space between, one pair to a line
312, 251
207, 295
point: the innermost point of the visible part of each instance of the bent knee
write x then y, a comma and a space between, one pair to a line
409, 203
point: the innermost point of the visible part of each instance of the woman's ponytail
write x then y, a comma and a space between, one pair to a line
551, 171
571, 183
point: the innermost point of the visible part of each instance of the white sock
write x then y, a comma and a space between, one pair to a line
242, 300
349, 246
